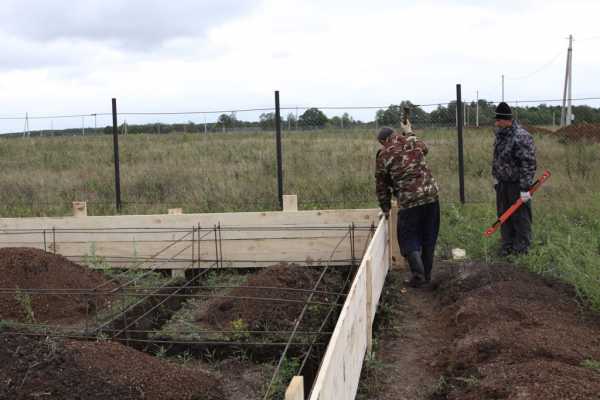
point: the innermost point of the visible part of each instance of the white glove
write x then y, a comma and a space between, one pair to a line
406, 129
525, 196
383, 214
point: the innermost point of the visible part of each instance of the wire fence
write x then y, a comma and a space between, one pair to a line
226, 160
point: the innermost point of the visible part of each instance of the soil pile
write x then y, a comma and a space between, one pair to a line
244, 313
28, 268
537, 129
516, 335
50, 368
484, 332
582, 131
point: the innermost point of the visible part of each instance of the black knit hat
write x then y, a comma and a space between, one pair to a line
384, 133
503, 111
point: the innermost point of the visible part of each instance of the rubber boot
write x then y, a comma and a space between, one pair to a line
427, 257
415, 264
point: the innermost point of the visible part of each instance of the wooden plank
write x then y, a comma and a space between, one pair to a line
341, 366
295, 390
278, 218
369, 307
140, 235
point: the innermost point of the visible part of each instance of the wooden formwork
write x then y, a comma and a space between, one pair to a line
252, 239
340, 369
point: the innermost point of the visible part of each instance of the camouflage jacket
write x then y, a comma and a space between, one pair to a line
514, 156
400, 169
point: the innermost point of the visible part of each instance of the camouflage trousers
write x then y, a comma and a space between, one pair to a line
516, 231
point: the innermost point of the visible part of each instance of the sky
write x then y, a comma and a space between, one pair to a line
71, 57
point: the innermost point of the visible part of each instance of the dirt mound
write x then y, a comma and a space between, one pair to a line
582, 131
50, 368
244, 313
28, 268
537, 129
515, 335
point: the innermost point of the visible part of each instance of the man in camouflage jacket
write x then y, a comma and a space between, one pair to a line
513, 169
401, 171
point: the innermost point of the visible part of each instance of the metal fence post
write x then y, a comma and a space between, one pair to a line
461, 161
116, 155
279, 156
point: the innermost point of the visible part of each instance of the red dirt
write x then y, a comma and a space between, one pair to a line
489, 332
582, 131
28, 268
272, 315
51, 368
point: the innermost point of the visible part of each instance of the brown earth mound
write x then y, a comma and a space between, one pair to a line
537, 129
28, 268
220, 313
582, 131
45, 368
516, 335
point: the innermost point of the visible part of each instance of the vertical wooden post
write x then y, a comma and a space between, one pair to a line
295, 391
369, 302
396, 258
290, 202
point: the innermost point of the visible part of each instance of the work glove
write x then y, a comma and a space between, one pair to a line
406, 129
384, 214
525, 196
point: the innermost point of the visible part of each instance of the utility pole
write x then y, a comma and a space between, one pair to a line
565, 112
502, 87
26, 127
477, 111
82, 126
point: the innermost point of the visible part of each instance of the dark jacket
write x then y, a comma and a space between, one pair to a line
514, 156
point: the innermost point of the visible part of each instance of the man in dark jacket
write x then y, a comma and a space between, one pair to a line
513, 169
401, 170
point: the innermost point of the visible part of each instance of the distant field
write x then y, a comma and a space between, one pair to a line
326, 169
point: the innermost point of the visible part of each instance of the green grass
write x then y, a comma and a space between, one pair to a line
326, 169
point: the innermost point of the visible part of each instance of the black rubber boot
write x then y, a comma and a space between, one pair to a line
427, 257
415, 264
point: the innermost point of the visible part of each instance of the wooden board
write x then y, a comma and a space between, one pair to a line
339, 373
304, 237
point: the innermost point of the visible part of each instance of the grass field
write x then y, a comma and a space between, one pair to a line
326, 169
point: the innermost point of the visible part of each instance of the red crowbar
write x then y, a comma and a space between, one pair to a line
536, 185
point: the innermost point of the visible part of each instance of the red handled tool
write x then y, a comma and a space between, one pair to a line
536, 185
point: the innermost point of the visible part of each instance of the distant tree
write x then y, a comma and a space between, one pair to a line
347, 120
227, 121
267, 121
313, 118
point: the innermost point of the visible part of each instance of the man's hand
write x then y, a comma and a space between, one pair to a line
384, 214
406, 129
525, 196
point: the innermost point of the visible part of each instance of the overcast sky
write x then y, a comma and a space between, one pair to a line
71, 57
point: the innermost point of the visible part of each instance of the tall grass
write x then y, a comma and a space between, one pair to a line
326, 169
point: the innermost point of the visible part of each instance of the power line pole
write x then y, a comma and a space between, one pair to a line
565, 112
502, 87
26, 127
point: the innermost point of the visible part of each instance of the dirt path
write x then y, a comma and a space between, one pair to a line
408, 345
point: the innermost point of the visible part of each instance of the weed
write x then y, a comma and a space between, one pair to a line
289, 368
24, 300
240, 329
161, 352
594, 365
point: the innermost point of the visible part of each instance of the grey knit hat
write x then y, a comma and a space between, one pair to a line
384, 133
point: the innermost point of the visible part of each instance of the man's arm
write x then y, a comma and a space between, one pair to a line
525, 154
383, 184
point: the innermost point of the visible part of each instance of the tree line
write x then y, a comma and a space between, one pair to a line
313, 118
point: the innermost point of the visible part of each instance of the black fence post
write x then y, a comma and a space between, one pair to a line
279, 156
116, 157
461, 161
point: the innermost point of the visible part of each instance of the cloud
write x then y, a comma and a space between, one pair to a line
131, 24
